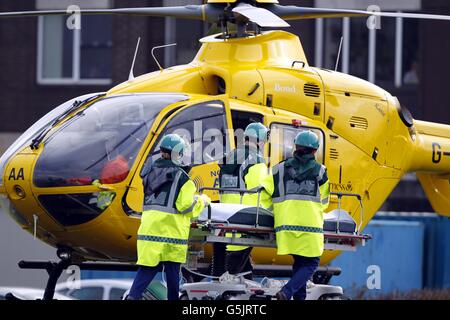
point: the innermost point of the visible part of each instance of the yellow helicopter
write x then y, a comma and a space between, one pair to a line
73, 178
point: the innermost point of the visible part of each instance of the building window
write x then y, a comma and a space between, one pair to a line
333, 33
81, 56
359, 49
185, 33
203, 127
385, 52
387, 56
410, 55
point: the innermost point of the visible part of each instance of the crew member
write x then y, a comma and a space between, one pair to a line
170, 201
245, 168
300, 197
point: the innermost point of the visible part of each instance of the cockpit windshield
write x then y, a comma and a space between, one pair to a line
37, 128
100, 143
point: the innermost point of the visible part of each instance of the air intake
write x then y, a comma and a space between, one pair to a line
311, 90
359, 123
334, 154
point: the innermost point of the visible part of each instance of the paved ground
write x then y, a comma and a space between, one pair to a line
15, 245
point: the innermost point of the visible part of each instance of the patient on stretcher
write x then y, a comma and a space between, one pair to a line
237, 214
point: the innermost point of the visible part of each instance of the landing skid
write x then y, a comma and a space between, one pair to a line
55, 269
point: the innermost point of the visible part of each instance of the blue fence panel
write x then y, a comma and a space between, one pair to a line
396, 250
436, 264
442, 264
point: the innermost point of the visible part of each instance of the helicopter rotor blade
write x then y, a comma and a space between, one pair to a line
195, 12
262, 17
298, 13
268, 15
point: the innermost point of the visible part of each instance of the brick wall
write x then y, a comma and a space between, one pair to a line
435, 68
304, 29
23, 101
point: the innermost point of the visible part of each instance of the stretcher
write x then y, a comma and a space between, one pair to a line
239, 224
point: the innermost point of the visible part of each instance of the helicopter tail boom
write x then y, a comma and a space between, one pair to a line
431, 162
432, 148
437, 189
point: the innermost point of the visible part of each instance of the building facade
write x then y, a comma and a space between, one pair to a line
43, 63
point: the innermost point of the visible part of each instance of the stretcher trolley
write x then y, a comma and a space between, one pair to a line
254, 225
237, 224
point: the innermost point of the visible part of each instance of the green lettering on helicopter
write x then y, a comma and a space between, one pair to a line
20, 174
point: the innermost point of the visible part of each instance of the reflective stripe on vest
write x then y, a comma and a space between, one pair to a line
163, 239
242, 169
160, 208
297, 197
321, 172
191, 207
281, 180
170, 207
298, 228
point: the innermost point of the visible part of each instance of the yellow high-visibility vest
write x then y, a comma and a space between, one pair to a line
165, 224
257, 175
298, 212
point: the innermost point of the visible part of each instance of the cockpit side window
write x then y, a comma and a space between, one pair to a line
203, 127
241, 119
282, 141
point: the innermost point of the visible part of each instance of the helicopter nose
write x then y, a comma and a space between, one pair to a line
51, 208
18, 189
17, 176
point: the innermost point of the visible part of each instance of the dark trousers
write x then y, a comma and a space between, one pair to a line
302, 271
146, 274
239, 262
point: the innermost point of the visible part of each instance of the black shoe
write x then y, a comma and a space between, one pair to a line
281, 296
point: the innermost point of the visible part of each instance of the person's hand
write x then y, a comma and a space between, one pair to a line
206, 199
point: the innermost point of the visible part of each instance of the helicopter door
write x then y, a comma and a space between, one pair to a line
204, 127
